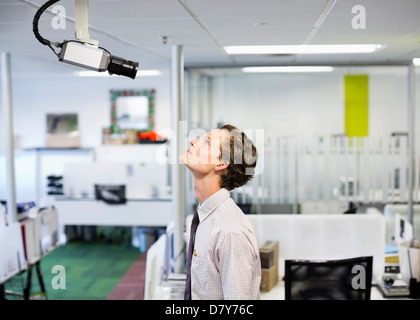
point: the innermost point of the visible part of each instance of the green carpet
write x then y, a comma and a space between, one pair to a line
92, 270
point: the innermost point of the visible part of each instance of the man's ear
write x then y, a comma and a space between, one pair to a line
221, 166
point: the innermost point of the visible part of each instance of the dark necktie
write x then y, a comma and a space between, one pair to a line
194, 224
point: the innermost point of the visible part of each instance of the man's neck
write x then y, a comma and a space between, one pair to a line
203, 189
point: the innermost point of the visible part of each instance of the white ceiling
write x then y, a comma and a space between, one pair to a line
133, 29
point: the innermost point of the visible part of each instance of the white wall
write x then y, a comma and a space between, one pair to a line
34, 97
281, 105
308, 105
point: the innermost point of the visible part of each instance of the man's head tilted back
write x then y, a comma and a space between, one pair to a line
241, 154
226, 154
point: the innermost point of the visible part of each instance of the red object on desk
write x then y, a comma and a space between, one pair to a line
150, 135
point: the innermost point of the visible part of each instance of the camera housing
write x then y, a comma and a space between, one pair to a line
97, 59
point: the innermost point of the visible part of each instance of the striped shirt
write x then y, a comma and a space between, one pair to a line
226, 261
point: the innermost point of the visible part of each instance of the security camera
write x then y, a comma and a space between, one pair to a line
84, 52
97, 59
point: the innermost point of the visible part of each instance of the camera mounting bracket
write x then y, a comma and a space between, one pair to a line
82, 22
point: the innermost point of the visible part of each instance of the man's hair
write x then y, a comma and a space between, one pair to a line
241, 154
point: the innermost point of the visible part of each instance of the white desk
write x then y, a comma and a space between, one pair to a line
277, 293
136, 212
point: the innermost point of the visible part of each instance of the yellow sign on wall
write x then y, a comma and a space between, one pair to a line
356, 91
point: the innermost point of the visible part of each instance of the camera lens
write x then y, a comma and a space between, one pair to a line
123, 67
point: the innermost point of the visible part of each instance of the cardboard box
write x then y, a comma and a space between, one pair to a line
269, 255
267, 258
269, 278
62, 141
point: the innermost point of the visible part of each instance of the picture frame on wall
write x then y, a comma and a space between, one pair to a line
62, 130
132, 110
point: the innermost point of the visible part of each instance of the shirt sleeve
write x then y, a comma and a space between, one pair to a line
237, 264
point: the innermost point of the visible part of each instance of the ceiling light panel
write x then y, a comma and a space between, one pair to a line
303, 49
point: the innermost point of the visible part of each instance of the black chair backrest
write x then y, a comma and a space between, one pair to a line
344, 279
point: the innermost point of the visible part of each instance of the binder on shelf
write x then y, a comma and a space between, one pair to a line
40, 234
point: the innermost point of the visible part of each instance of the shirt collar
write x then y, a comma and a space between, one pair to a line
211, 203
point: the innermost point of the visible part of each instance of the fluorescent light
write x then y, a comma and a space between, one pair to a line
141, 73
148, 73
416, 61
288, 69
303, 49
90, 74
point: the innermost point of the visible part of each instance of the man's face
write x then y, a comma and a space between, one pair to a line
204, 153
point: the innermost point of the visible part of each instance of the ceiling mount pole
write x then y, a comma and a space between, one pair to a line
81, 15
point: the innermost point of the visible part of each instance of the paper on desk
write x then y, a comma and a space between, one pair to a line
409, 259
403, 230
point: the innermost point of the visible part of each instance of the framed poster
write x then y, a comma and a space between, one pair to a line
132, 110
62, 130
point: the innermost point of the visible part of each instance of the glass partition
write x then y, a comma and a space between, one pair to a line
311, 161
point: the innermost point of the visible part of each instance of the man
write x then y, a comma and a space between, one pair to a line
225, 261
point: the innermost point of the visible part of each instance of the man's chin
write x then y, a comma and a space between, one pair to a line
183, 158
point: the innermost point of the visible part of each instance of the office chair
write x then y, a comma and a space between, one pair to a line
345, 279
